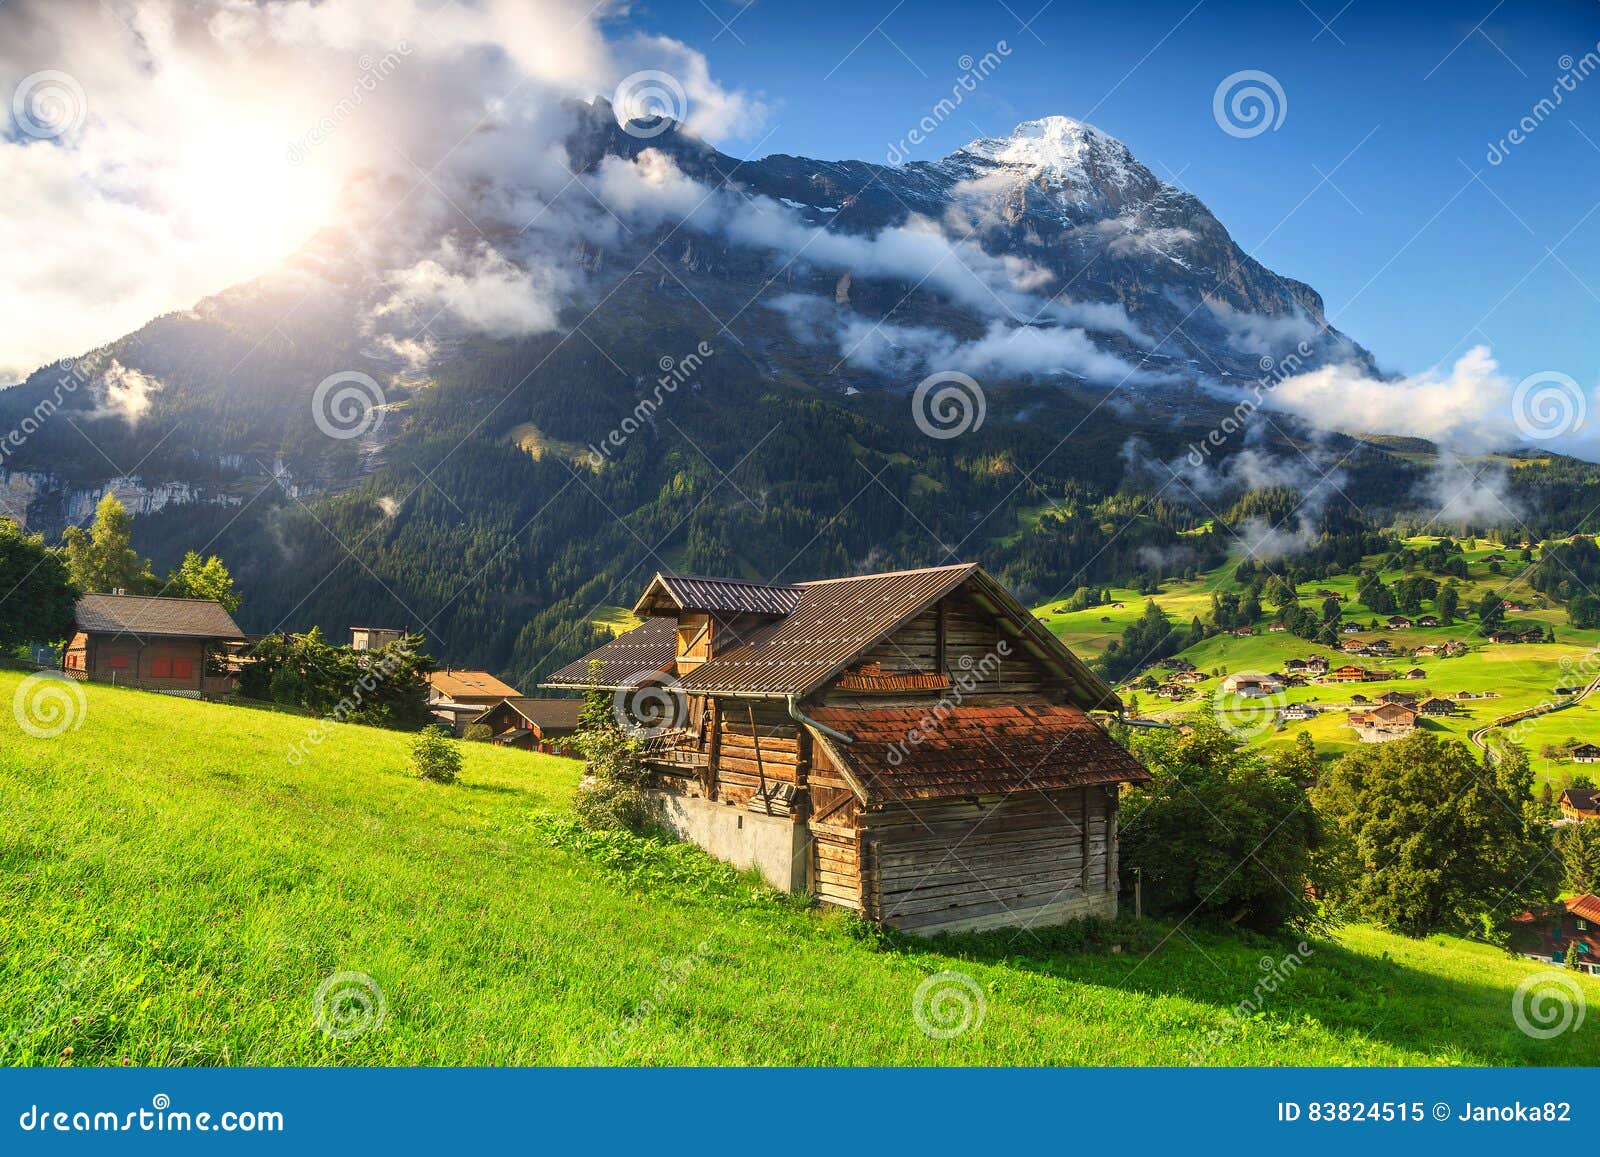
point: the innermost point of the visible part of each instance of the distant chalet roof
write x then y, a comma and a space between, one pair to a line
1586, 907
975, 751
1581, 799
453, 683
144, 616
668, 594
632, 657
546, 714
831, 623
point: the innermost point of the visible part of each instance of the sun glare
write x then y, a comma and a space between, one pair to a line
241, 196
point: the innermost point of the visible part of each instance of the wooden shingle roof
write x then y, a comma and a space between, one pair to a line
972, 750
142, 616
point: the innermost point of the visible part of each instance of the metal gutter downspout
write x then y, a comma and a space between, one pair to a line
805, 720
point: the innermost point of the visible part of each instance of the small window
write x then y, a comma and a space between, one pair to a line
161, 668
119, 662
1583, 925
183, 668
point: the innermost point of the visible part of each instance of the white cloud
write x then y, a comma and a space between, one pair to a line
482, 289
123, 393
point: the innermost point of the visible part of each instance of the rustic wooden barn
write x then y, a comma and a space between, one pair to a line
159, 644
914, 746
532, 724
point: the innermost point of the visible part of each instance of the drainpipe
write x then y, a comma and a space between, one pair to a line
799, 717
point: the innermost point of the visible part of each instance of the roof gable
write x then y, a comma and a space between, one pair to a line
668, 594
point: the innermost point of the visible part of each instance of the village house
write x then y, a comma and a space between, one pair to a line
1299, 711
1351, 628
913, 746
545, 725
374, 638
1416, 673
1380, 647
456, 697
1349, 673
1426, 649
1404, 698
1563, 933
1428, 621
1397, 623
1384, 722
1436, 705
1586, 753
1243, 632
156, 644
1317, 665
1294, 664
1276, 627
1190, 677
1353, 647
1579, 803
1252, 686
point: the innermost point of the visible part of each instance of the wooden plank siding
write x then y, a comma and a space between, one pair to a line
990, 861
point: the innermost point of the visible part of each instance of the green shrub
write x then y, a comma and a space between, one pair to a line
476, 732
435, 756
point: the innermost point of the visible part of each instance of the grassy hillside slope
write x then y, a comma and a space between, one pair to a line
176, 890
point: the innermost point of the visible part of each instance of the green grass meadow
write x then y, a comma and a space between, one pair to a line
177, 889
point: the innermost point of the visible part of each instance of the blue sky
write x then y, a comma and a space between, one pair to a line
1376, 188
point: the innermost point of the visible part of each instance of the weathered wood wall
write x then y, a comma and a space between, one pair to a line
989, 862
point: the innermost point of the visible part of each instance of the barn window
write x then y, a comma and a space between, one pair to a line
161, 669
119, 662
1583, 925
182, 668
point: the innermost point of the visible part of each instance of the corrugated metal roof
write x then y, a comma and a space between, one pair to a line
681, 592
974, 750
645, 650
833, 621
150, 617
547, 714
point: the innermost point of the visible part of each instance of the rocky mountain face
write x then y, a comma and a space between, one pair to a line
776, 313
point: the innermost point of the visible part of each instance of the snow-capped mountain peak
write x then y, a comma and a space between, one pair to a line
1061, 147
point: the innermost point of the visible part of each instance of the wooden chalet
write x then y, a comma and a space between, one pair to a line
457, 697
157, 644
1566, 933
1580, 803
1586, 753
914, 746
1386, 721
545, 725
1436, 705
1349, 673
